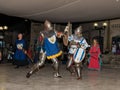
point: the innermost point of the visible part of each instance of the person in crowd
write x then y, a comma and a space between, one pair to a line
36, 55
49, 49
10, 53
0, 56
114, 48
20, 57
77, 46
118, 48
95, 60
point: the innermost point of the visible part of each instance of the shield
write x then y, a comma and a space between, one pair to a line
79, 55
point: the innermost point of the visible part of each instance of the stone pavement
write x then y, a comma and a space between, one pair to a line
14, 79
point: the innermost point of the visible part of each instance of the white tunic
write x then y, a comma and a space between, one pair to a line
81, 41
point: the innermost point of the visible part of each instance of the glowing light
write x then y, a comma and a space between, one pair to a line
105, 24
95, 24
5, 27
1, 28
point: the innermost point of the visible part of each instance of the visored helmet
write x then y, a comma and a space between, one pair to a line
48, 25
78, 31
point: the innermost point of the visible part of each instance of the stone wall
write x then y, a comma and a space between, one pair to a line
89, 32
114, 29
35, 30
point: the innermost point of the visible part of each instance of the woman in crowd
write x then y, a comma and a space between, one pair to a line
95, 56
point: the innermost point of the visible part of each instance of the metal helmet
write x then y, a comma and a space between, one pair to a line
48, 25
78, 31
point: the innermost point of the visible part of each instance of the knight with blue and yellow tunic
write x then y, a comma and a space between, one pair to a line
49, 49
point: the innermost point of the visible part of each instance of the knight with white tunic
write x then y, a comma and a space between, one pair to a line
77, 50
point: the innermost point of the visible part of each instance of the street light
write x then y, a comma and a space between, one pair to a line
96, 26
2, 29
100, 28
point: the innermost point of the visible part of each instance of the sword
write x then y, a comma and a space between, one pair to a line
31, 60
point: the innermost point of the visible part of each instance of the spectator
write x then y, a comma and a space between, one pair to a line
20, 52
95, 59
114, 47
0, 56
10, 53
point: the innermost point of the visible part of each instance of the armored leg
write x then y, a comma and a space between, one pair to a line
56, 67
37, 65
70, 67
78, 70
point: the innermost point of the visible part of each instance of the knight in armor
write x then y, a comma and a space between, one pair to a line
49, 49
77, 46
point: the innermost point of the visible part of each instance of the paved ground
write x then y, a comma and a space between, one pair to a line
14, 79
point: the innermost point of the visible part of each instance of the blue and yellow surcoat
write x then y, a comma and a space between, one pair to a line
51, 47
19, 54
